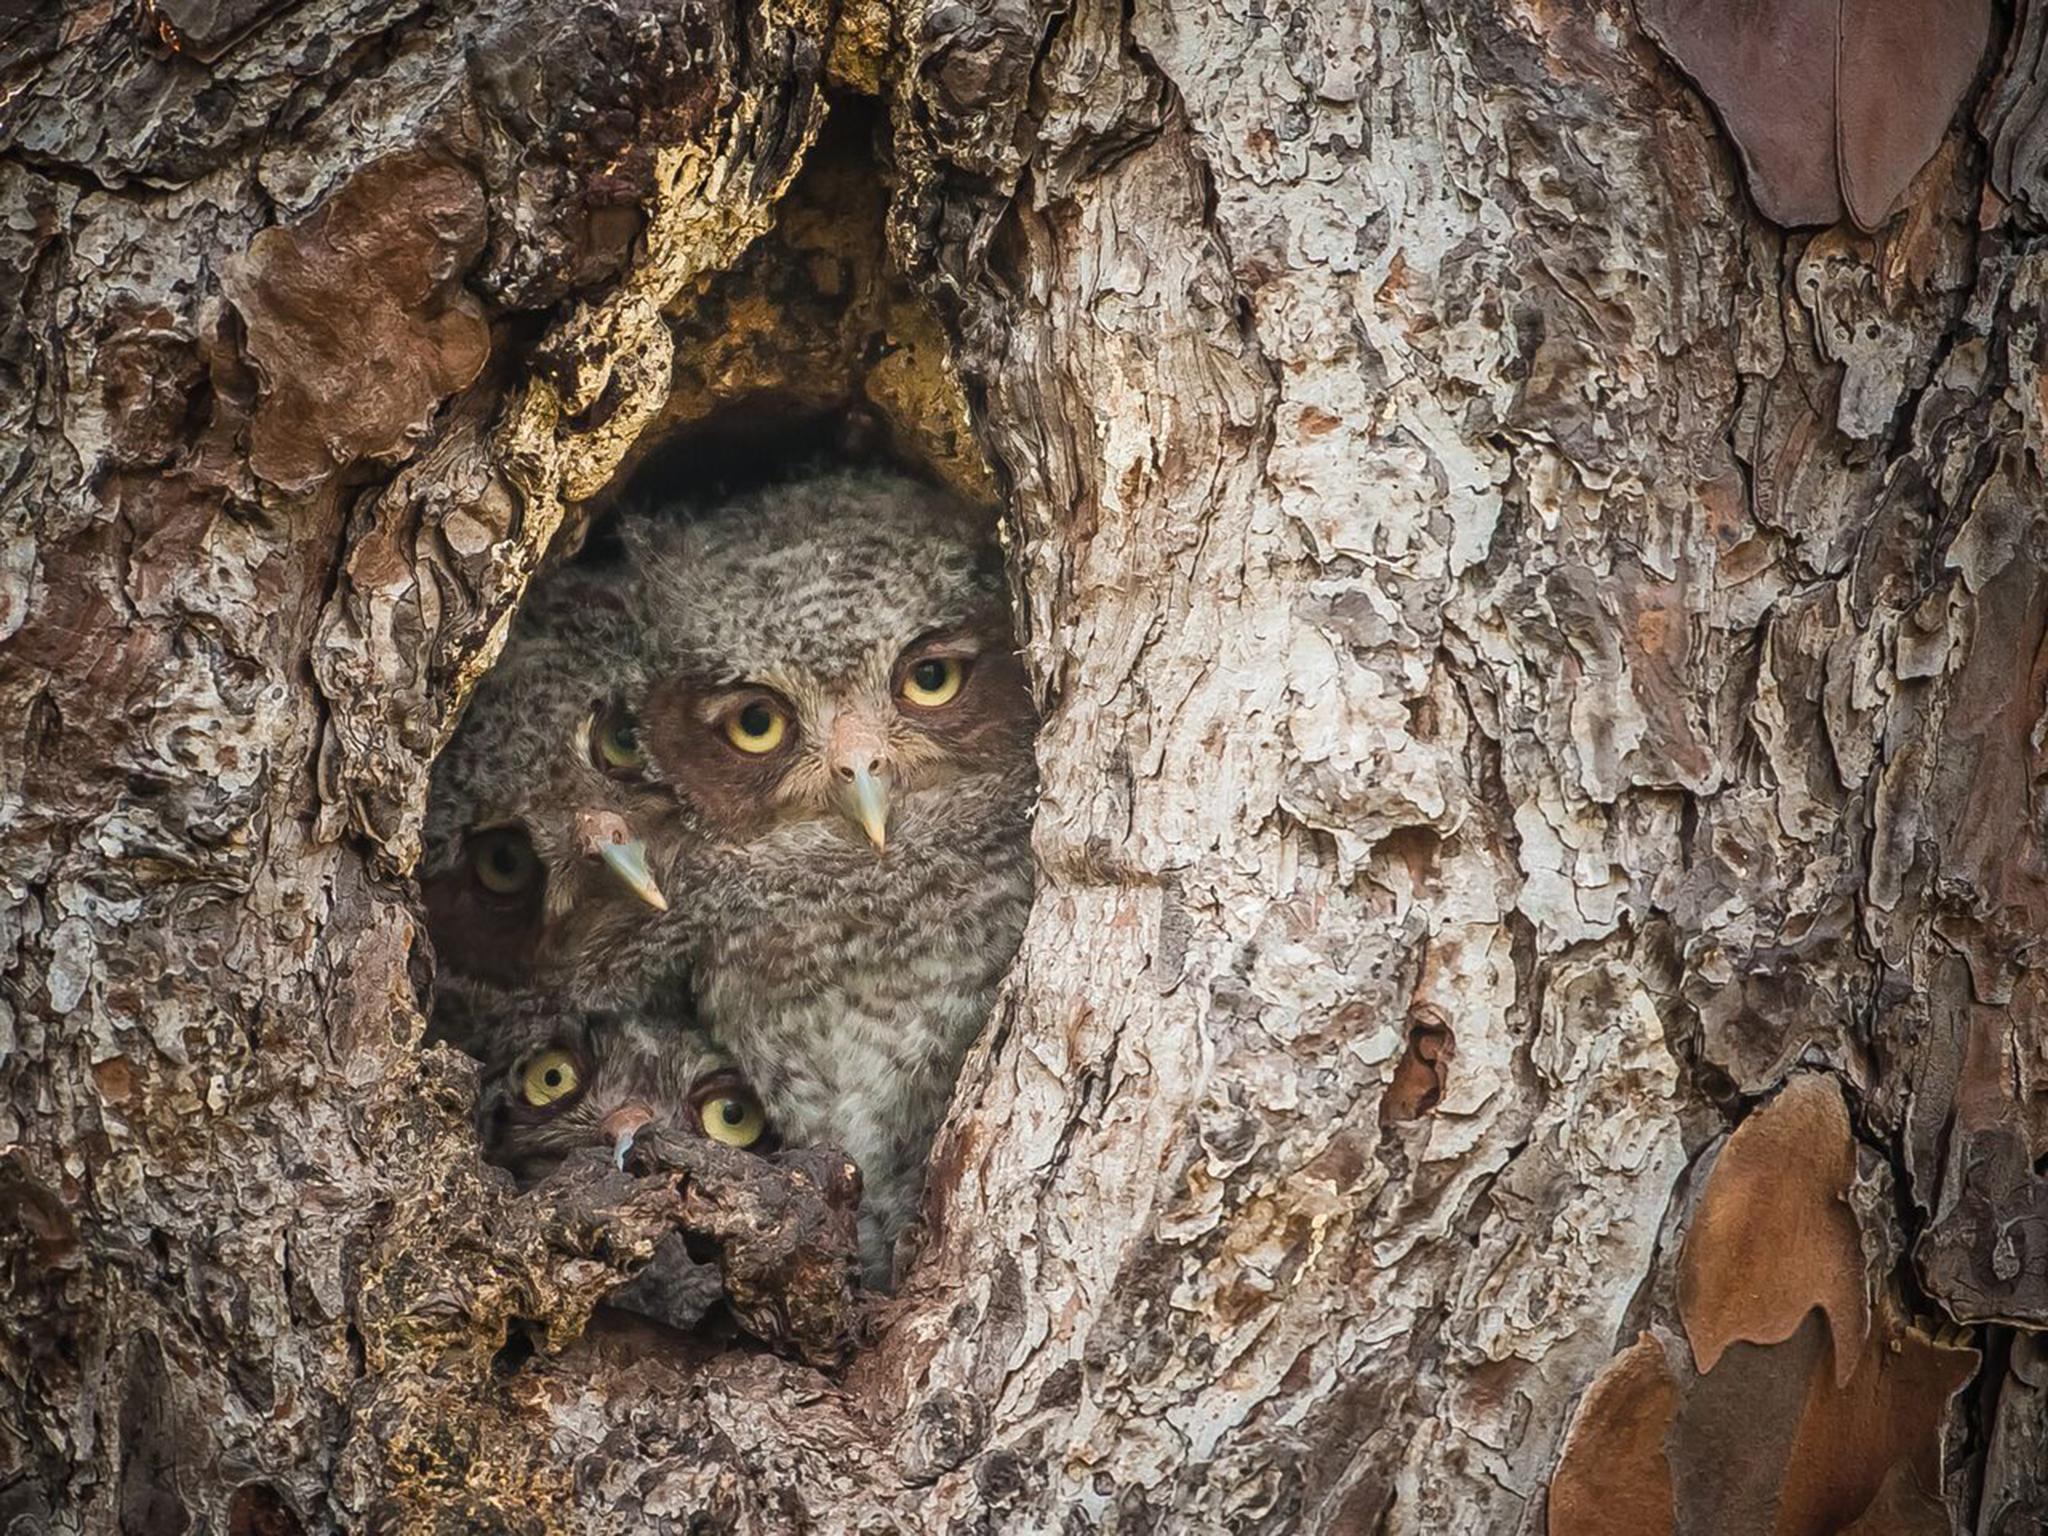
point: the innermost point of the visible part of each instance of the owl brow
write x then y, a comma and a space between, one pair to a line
958, 640
718, 1080
713, 705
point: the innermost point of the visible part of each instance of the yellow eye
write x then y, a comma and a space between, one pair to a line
733, 1118
934, 681
549, 1077
503, 861
756, 727
615, 741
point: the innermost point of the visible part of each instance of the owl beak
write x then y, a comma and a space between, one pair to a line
858, 754
605, 835
865, 799
620, 1127
629, 862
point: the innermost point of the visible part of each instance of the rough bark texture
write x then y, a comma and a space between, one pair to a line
1534, 1015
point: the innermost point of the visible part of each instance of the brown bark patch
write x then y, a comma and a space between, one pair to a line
1902, 1508
1615, 1475
357, 323
1770, 1436
1765, 1443
1902, 70
1731, 1452
1835, 104
1774, 1235
1880, 1435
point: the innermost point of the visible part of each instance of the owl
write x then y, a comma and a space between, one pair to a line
556, 1081
837, 711
535, 875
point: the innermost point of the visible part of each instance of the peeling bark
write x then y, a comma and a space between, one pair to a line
1543, 672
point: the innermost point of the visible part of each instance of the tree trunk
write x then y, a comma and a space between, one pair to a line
1533, 1013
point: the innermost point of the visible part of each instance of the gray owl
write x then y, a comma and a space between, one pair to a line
554, 1082
535, 875
837, 707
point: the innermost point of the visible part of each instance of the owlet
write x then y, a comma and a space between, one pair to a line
837, 709
535, 874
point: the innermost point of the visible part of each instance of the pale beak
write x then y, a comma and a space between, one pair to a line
629, 862
865, 799
605, 835
620, 1127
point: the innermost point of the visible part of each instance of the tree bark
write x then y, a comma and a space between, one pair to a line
1531, 1018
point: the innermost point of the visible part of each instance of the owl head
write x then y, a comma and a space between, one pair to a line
829, 664
533, 861
555, 1082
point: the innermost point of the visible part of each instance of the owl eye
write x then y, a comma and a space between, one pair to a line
934, 681
503, 861
549, 1078
756, 727
735, 1118
615, 744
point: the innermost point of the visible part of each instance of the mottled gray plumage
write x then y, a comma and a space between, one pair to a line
847, 970
524, 771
